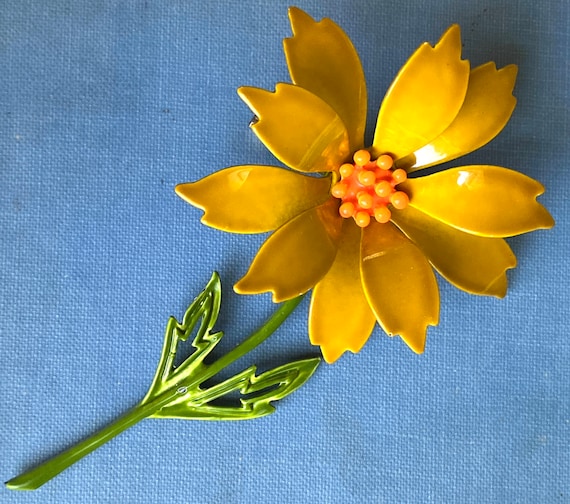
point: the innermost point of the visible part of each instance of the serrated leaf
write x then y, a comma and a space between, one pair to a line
257, 393
177, 391
288, 378
203, 310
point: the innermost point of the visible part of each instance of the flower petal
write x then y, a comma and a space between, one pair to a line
294, 258
254, 199
424, 98
482, 200
340, 318
322, 59
399, 284
488, 106
472, 263
299, 128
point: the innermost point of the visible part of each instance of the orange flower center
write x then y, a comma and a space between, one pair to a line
366, 188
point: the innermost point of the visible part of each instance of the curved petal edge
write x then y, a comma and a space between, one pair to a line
474, 264
322, 59
296, 256
424, 98
480, 199
340, 319
299, 128
253, 199
399, 284
488, 106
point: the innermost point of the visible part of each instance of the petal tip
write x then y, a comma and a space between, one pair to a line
178, 189
186, 191
453, 31
298, 18
416, 339
451, 37
498, 288
331, 355
545, 220
245, 287
416, 345
508, 72
241, 287
511, 71
548, 220
250, 95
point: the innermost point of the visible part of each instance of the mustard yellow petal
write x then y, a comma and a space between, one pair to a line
486, 110
340, 318
254, 199
399, 284
322, 59
424, 98
299, 128
482, 200
294, 258
472, 263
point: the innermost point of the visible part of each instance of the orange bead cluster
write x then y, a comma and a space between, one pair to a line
366, 188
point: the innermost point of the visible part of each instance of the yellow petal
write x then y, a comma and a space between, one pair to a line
488, 106
322, 59
424, 98
294, 258
482, 200
340, 318
399, 283
254, 199
472, 263
299, 128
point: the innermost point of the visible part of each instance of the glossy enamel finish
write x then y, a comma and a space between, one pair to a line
254, 199
322, 59
424, 98
486, 110
399, 284
296, 256
483, 200
339, 317
472, 263
435, 110
299, 128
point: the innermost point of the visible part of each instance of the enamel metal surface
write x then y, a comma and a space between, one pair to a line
299, 128
322, 59
254, 199
488, 106
483, 200
339, 317
294, 258
472, 263
399, 284
424, 98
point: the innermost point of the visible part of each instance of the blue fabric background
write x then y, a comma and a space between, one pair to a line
105, 105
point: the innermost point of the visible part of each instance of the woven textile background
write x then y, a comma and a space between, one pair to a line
105, 106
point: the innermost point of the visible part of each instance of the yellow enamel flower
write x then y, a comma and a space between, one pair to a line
348, 222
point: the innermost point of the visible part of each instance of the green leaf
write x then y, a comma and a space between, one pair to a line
204, 309
178, 391
257, 393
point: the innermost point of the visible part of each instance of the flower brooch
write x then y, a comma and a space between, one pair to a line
361, 226
356, 225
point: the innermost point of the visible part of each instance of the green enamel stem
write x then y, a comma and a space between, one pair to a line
256, 338
36, 477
